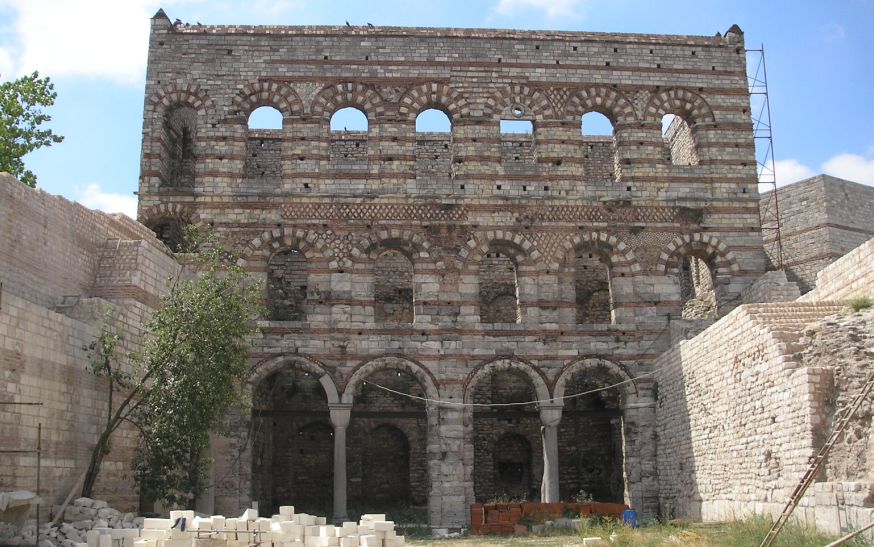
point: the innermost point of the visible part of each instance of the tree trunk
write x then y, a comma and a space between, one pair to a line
94, 465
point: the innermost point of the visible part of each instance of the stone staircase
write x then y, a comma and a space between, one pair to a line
786, 320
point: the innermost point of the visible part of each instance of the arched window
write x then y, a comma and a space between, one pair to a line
679, 140
393, 288
697, 287
180, 131
349, 119
498, 288
386, 467
265, 118
433, 121
171, 232
592, 287
596, 124
287, 286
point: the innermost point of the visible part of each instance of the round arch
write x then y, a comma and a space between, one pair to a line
593, 363
526, 252
433, 95
391, 362
699, 244
610, 102
176, 93
407, 241
620, 255
483, 370
265, 368
535, 104
258, 251
349, 94
264, 93
681, 102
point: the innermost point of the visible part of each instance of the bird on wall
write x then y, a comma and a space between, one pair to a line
347, 24
370, 25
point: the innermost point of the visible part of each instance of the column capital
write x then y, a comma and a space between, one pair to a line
340, 414
550, 413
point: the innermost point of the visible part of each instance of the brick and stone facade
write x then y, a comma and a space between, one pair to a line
473, 266
822, 219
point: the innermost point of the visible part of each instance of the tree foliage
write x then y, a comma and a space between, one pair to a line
189, 372
21, 115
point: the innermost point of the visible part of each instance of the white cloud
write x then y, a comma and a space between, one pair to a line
95, 198
553, 9
93, 38
789, 171
851, 167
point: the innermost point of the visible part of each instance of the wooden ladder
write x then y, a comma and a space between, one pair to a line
810, 474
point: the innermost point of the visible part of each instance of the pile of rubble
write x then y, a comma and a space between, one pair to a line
81, 516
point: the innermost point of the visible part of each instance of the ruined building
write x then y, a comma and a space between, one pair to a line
472, 265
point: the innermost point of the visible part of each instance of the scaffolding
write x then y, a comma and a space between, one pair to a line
760, 105
37, 450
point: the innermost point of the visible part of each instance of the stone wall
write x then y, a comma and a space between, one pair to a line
61, 267
822, 218
849, 277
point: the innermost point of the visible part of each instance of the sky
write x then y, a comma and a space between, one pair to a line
820, 62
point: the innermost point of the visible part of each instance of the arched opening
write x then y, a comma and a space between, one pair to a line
393, 288
697, 287
433, 120
498, 287
178, 158
679, 140
293, 443
591, 446
287, 285
349, 119
171, 232
596, 124
388, 439
508, 462
513, 466
265, 118
594, 302
386, 469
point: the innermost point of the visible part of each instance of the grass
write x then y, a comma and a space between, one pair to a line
747, 533
860, 303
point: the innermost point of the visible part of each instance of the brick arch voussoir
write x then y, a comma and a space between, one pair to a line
483, 370
259, 250
254, 95
621, 256
609, 102
169, 211
480, 243
593, 363
263, 369
433, 95
333, 98
682, 102
535, 103
174, 94
420, 248
390, 362
723, 259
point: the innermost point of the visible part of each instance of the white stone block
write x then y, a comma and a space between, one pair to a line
321, 521
286, 510
92, 537
249, 514
154, 535
105, 540
189, 515
218, 522
369, 540
383, 525
145, 543
349, 541
157, 524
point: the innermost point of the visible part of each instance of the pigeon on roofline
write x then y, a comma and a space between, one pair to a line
347, 24
370, 25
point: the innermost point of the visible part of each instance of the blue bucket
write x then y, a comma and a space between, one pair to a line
629, 517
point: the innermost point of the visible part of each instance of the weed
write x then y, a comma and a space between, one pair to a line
860, 303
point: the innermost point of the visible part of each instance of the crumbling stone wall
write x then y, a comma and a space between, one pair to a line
851, 276
287, 286
449, 209
680, 143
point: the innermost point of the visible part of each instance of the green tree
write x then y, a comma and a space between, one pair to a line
21, 115
190, 371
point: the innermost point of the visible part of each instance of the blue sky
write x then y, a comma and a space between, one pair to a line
820, 59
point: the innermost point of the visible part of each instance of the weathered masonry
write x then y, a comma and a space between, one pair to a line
469, 265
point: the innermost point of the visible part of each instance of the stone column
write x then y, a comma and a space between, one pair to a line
340, 414
550, 415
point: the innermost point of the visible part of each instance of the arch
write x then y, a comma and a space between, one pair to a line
610, 102
593, 363
265, 118
525, 251
679, 102
176, 93
433, 95
386, 467
410, 242
483, 370
265, 93
166, 211
698, 244
535, 104
258, 251
597, 120
353, 94
621, 256
391, 362
349, 118
433, 116
265, 368
512, 466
